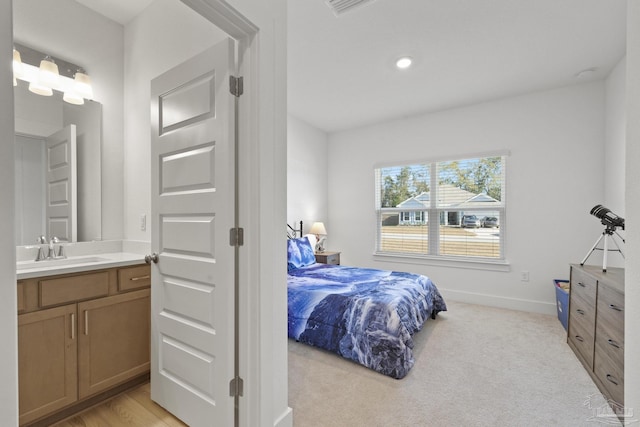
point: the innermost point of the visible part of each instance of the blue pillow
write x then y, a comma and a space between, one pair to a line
299, 253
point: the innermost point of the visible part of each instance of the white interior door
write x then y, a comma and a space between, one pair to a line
193, 195
61, 185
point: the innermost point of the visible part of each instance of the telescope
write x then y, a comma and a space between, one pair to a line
608, 218
611, 221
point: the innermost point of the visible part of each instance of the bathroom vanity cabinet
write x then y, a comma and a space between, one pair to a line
80, 336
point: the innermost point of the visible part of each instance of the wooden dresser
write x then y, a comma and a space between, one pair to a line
596, 326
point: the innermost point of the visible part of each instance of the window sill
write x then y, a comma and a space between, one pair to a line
479, 264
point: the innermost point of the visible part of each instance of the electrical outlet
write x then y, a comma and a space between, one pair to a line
143, 222
524, 276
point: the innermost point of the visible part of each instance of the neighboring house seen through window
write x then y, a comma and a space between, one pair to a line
453, 209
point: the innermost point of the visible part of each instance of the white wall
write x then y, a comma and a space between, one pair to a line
8, 294
307, 151
72, 32
632, 212
554, 178
615, 127
155, 42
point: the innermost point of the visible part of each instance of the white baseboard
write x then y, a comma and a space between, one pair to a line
499, 301
285, 420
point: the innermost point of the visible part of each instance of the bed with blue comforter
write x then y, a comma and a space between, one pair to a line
362, 314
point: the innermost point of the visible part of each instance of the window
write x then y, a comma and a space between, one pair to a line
453, 209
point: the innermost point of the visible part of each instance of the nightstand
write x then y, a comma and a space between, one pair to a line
327, 257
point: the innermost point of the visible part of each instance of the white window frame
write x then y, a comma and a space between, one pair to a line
434, 257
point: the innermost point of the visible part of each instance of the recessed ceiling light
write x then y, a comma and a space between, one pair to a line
404, 62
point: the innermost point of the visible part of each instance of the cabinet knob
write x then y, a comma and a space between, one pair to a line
153, 257
612, 379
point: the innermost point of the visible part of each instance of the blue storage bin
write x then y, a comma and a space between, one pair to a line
562, 301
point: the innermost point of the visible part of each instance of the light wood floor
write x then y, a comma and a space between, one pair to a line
133, 408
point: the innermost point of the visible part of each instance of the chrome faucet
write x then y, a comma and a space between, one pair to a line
60, 253
41, 256
51, 254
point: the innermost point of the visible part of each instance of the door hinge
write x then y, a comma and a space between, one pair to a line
236, 386
236, 236
236, 85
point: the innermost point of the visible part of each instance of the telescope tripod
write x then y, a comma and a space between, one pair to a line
608, 233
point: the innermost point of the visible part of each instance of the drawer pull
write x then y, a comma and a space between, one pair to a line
613, 343
615, 307
579, 338
580, 311
582, 284
612, 379
73, 326
86, 322
135, 279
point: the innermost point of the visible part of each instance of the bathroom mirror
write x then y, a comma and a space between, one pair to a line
36, 118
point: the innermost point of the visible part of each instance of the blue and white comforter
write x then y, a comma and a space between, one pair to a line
362, 314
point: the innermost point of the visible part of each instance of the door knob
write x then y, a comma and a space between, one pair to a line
153, 257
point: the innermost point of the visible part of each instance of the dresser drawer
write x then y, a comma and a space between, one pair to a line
611, 312
609, 369
332, 258
582, 313
582, 341
609, 349
134, 278
73, 288
583, 286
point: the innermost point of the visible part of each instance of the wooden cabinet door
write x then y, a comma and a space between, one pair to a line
113, 340
47, 361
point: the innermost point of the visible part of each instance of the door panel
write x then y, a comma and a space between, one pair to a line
113, 340
193, 210
47, 360
61, 187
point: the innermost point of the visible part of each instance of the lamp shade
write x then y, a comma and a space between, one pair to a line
83, 85
49, 74
40, 89
48, 77
17, 65
318, 228
73, 98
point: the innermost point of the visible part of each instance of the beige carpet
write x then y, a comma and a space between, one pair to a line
475, 366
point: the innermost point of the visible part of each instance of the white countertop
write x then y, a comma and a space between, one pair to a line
84, 256
75, 264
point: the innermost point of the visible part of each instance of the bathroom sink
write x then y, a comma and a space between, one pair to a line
52, 263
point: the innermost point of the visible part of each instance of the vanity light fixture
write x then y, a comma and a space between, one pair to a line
17, 66
72, 97
53, 74
404, 62
82, 84
48, 78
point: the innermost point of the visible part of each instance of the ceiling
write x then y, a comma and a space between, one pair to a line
341, 71
121, 11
